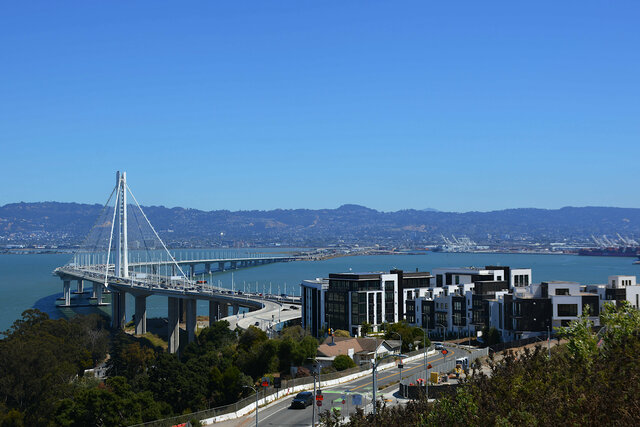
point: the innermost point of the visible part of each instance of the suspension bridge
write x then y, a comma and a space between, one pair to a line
123, 254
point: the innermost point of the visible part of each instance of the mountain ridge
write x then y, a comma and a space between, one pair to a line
68, 222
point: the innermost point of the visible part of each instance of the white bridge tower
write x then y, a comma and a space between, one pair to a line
122, 252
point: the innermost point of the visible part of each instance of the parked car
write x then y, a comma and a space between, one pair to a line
302, 400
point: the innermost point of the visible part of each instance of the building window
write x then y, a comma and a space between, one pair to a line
562, 291
565, 310
457, 280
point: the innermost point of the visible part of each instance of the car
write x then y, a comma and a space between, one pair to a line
257, 324
302, 400
438, 346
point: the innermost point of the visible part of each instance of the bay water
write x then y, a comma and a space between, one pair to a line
26, 281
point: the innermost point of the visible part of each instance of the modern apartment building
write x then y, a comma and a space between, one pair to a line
353, 299
457, 301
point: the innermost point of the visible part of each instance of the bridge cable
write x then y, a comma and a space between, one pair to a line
154, 232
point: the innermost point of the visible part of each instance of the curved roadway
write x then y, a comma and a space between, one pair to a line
280, 414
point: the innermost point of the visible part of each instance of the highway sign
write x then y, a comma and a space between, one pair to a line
356, 399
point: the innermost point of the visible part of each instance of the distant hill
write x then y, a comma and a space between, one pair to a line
68, 223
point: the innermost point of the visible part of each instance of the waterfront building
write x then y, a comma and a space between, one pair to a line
313, 305
355, 299
457, 301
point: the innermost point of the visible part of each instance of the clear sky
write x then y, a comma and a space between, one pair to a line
457, 106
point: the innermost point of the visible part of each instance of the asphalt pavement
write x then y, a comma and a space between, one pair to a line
279, 413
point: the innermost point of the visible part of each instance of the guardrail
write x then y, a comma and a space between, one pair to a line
269, 394
266, 395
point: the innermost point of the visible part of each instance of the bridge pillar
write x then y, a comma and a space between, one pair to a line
173, 269
192, 270
154, 269
207, 268
221, 266
224, 310
234, 265
236, 309
66, 291
214, 309
191, 318
118, 309
141, 315
173, 335
182, 315
80, 288
96, 292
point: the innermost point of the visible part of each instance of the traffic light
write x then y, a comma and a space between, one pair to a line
330, 332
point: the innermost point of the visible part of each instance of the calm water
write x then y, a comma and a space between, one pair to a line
26, 280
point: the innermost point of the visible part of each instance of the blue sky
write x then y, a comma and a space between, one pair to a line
234, 105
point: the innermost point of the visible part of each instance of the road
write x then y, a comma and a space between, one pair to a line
280, 414
270, 314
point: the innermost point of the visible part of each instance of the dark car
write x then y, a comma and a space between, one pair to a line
302, 400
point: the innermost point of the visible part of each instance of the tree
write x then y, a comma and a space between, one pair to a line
491, 336
365, 328
342, 362
39, 360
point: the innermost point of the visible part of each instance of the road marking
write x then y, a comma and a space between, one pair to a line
407, 370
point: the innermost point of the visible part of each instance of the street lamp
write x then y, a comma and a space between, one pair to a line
375, 368
313, 413
256, 391
426, 366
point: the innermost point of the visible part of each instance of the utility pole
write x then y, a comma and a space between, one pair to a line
256, 391
375, 382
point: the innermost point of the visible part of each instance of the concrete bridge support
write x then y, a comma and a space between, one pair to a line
221, 266
191, 318
234, 265
236, 309
141, 315
183, 311
66, 291
96, 292
118, 309
207, 268
224, 310
80, 288
214, 309
173, 269
173, 335
154, 269
192, 270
